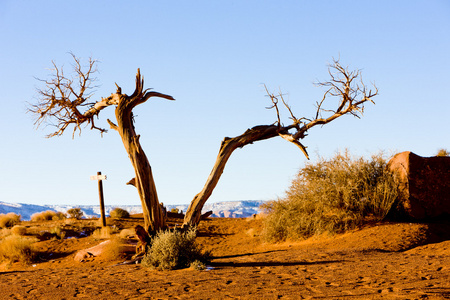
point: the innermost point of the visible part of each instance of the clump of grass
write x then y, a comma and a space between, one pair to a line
174, 250
59, 216
75, 213
4, 232
104, 233
99, 222
197, 265
443, 153
114, 249
58, 232
127, 233
15, 248
9, 220
19, 230
119, 213
332, 196
47, 215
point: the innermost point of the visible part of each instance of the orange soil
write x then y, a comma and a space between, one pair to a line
384, 261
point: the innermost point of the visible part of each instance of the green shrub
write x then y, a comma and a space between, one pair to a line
174, 250
119, 213
332, 196
15, 248
9, 220
75, 213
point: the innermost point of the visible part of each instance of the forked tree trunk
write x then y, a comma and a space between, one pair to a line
257, 133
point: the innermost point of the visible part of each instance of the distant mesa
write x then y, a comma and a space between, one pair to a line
226, 209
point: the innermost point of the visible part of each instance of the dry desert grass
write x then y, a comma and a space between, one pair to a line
380, 261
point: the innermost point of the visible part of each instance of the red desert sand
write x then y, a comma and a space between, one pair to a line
381, 261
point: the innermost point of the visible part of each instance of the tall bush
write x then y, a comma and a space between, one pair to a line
332, 196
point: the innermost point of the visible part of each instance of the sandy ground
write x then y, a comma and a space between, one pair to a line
383, 261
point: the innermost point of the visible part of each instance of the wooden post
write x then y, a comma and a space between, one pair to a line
102, 202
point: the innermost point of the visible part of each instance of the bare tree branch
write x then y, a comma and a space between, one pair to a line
352, 94
352, 97
62, 97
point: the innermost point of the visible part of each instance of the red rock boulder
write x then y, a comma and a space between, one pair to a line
424, 184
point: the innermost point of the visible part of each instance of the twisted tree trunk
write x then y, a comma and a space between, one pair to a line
257, 133
154, 218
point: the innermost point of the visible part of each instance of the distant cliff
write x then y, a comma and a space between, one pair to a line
226, 209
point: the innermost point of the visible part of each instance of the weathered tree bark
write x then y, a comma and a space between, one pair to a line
154, 219
257, 133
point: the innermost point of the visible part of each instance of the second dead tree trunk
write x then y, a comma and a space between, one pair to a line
352, 97
257, 133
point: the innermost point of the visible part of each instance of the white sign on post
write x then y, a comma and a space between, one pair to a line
98, 177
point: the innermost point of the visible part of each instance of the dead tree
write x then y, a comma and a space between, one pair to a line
65, 101
343, 84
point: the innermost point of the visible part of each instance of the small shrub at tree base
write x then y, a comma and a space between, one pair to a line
119, 213
9, 220
332, 196
174, 250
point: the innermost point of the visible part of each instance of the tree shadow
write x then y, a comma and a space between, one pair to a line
246, 254
271, 263
15, 271
264, 263
43, 256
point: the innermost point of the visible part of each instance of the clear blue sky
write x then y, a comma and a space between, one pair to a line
214, 57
